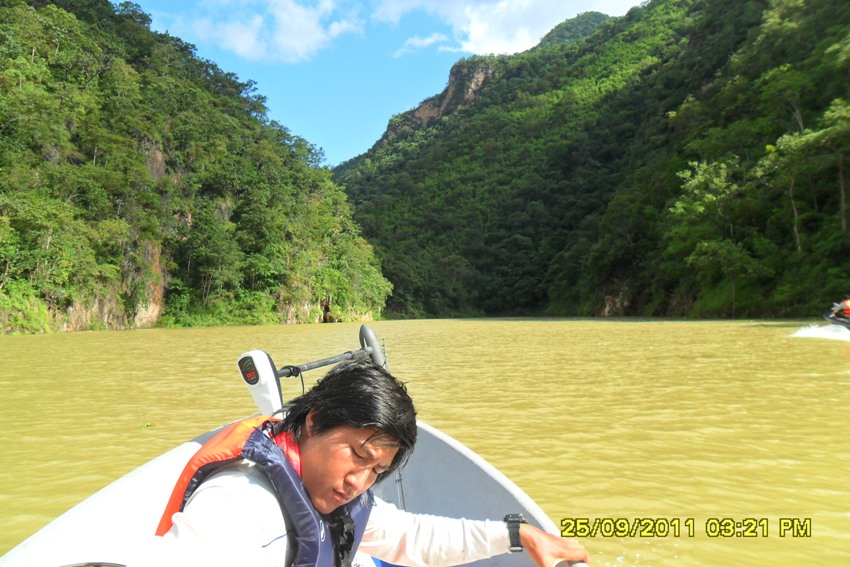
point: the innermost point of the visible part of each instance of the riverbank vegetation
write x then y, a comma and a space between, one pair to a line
688, 159
142, 185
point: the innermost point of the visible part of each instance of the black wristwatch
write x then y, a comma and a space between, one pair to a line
513, 521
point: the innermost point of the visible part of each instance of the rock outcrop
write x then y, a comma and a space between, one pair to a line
466, 80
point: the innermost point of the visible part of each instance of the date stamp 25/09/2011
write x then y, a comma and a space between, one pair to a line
685, 527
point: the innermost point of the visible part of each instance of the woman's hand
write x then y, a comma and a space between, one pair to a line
547, 550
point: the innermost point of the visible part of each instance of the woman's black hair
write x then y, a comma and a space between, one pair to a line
361, 395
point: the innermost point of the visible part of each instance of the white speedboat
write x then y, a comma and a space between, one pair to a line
443, 477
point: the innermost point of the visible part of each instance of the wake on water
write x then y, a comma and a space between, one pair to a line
834, 332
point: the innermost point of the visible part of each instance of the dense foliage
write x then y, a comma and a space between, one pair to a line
136, 177
686, 159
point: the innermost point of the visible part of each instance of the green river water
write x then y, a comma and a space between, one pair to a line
734, 434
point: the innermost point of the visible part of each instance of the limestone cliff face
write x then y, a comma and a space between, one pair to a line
151, 304
466, 80
108, 309
137, 299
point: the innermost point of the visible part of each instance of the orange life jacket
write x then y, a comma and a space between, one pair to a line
252, 439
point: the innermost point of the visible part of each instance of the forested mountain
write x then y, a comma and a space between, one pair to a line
688, 158
140, 184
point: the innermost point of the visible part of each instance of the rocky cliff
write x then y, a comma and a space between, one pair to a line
466, 80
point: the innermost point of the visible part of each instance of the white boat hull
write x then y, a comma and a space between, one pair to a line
443, 477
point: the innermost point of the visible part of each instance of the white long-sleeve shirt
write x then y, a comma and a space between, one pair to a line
234, 518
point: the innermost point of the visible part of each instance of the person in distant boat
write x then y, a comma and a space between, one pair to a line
842, 309
296, 491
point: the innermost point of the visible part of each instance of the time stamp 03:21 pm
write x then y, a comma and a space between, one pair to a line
685, 527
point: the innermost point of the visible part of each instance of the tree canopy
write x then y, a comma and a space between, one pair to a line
141, 184
687, 158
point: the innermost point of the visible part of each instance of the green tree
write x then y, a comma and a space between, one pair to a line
835, 138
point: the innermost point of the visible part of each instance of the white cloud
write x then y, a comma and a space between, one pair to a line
275, 30
295, 30
506, 27
500, 26
417, 43
242, 38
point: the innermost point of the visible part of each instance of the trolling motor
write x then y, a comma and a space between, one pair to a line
263, 378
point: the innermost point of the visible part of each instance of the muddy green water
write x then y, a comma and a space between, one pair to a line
682, 422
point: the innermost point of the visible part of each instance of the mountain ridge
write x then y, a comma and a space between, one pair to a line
577, 181
467, 78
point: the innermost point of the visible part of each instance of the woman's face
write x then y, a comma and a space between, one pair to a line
340, 464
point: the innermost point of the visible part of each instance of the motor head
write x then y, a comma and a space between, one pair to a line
258, 371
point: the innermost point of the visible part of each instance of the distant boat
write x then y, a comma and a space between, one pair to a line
443, 477
837, 319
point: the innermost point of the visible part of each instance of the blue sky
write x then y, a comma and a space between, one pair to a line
335, 71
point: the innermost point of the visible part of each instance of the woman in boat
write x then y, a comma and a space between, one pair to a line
293, 492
